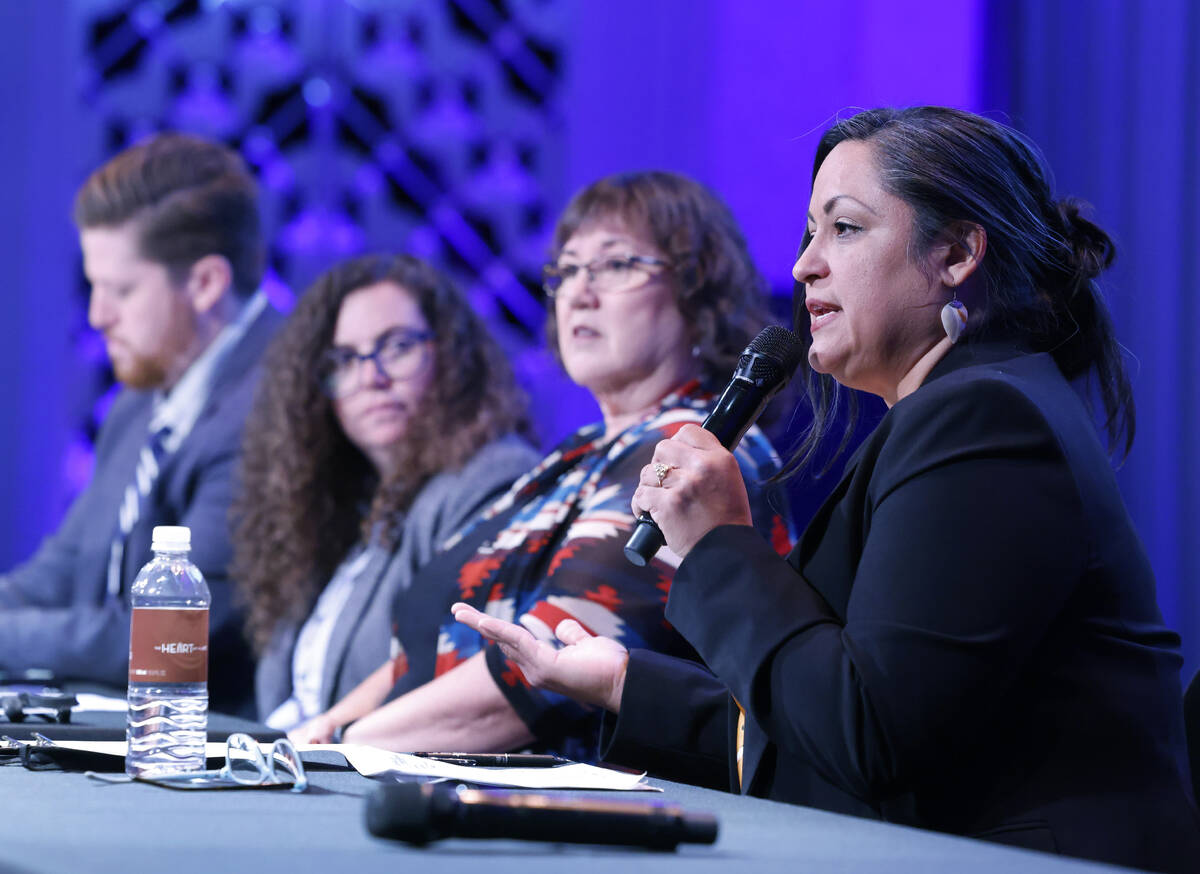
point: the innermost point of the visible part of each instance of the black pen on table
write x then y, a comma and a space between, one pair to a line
498, 760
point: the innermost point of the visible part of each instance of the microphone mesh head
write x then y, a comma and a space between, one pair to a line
698, 828
772, 357
402, 812
781, 344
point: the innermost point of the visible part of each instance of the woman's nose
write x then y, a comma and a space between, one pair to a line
810, 265
376, 375
578, 292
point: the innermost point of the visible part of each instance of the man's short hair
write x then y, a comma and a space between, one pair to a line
190, 198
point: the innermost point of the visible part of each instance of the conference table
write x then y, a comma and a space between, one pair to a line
56, 821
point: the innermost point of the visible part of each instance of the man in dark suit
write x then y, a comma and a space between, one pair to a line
173, 251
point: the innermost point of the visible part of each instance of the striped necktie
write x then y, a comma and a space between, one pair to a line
149, 463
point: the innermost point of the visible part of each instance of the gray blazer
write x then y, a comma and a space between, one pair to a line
54, 612
361, 639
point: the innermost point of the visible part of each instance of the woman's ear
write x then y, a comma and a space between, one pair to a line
961, 254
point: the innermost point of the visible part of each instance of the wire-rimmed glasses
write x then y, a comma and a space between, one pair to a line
608, 275
398, 354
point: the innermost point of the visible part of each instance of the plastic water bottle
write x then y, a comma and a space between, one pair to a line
167, 720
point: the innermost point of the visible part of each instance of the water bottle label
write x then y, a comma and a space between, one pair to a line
168, 645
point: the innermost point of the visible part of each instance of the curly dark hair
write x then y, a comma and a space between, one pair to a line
718, 290
307, 493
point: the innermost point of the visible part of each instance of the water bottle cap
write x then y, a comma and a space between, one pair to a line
172, 537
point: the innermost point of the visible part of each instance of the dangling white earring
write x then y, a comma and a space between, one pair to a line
954, 318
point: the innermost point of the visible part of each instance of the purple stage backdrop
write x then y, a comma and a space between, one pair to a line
456, 129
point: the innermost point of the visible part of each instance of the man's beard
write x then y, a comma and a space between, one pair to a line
143, 373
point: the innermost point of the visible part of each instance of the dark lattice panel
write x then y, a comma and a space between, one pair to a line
427, 126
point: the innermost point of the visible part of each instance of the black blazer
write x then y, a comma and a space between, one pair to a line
966, 638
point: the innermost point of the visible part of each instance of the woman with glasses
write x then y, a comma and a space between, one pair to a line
385, 418
654, 296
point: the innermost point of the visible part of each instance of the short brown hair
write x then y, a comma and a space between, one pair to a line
190, 198
718, 290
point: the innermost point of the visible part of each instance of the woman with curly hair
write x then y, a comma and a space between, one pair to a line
653, 298
385, 419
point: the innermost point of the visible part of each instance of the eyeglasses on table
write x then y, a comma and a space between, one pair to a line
245, 768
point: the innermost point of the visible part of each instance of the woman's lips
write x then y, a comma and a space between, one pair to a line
390, 408
820, 312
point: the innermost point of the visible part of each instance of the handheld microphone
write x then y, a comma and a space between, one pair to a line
764, 368
419, 813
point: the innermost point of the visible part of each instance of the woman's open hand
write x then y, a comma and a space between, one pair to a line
589, 669
700, 487
318, 730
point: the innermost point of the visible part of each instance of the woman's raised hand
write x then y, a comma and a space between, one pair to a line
590, 669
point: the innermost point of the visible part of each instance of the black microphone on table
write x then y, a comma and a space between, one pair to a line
764, 368
420, 813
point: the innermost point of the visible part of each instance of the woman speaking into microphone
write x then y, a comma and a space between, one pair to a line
966, 638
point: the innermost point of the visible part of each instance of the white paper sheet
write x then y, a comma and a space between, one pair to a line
372, 761
103, 703
117, 747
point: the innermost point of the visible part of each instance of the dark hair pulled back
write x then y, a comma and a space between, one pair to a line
1038, 275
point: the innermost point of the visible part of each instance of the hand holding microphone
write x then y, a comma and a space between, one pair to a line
692, 485
700, 488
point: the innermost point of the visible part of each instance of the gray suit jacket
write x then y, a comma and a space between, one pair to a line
361, 639
54, 612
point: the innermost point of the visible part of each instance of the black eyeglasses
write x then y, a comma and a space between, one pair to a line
605, 275
398, 354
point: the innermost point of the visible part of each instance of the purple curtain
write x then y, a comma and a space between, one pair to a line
1110, 89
